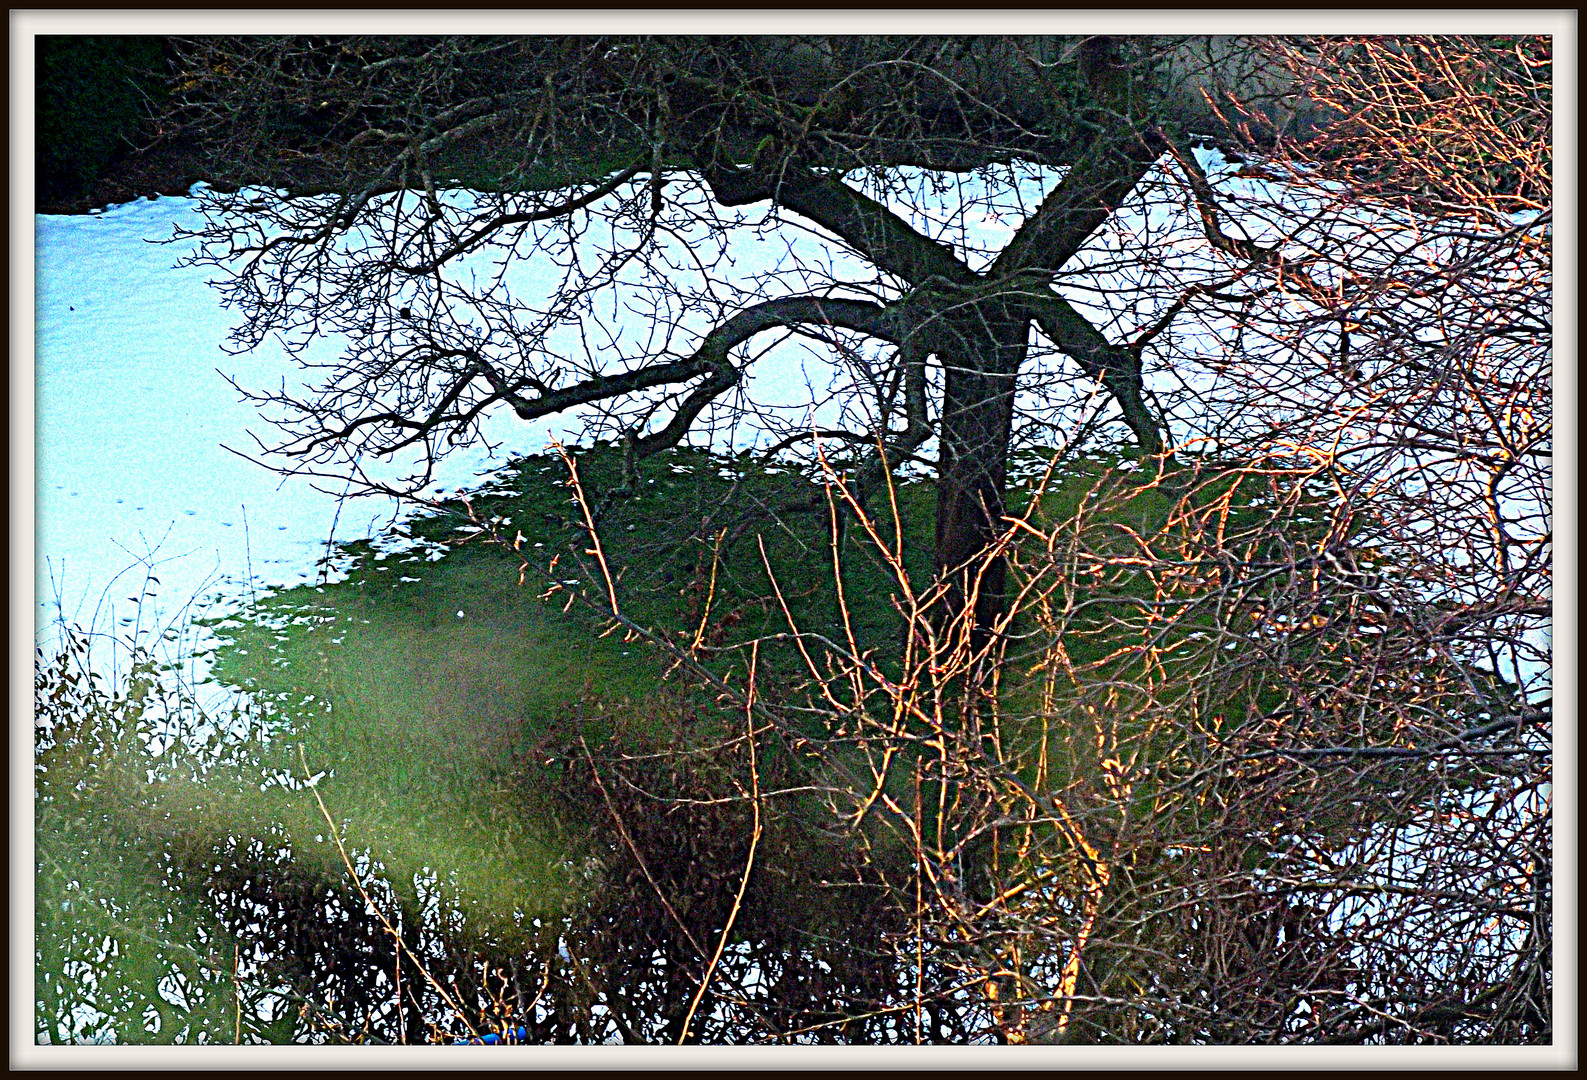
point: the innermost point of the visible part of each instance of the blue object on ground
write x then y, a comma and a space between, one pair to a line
510, 1037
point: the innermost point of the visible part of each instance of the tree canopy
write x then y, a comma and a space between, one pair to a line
661, 141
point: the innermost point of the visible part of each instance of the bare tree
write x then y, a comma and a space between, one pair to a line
1283, 773
1242, 736
624, 163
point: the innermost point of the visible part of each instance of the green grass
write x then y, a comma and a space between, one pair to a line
431, 693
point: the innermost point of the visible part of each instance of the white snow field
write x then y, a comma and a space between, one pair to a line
133, 420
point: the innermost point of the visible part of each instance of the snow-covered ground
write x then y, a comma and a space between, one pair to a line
133, 420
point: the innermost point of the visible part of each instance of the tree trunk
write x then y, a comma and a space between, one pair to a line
987, 348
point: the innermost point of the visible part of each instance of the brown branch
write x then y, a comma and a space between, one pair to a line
749, 859
633, 848
871, 229
501, 221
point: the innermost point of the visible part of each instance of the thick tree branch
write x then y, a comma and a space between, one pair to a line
874, 231
1089, 193
711, 357
1100, 179
1207, 208
1118, 366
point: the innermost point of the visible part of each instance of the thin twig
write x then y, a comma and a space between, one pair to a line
402, 946
749, 860
634, 848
